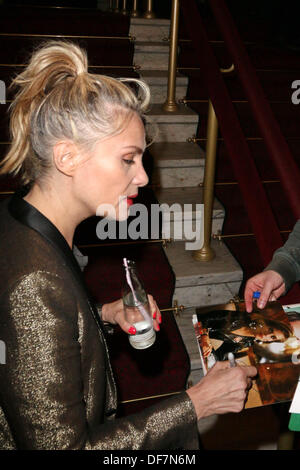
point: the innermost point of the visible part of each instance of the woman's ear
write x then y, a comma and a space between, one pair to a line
65, 157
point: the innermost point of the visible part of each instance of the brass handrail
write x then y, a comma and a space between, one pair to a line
219, 236
72, 36
231, 183
170, 103
194, 139
164, 242
206, 252
257, 70
186, 101
211, 41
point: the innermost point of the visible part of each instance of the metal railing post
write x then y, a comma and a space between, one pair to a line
134, 12
124, 9
149, 14
170, 103
206, 253
116, 9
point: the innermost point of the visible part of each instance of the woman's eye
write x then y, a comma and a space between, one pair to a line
128, 162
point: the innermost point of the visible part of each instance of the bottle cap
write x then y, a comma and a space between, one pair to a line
256, 295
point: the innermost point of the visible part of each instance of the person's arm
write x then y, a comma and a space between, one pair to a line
42, 388
286, 260
269, 283
279, 275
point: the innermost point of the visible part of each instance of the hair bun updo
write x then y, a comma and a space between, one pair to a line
58, 99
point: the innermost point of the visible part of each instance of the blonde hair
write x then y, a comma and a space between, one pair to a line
57, 99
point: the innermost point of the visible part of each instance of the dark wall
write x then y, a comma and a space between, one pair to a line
61, 3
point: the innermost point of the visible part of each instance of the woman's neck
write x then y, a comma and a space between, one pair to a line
57, 207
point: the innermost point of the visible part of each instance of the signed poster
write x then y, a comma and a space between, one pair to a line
269, 339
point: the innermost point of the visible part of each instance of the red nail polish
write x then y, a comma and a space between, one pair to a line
159, 320
154, 315
132, 330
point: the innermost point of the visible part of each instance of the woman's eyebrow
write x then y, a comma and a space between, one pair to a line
134, 147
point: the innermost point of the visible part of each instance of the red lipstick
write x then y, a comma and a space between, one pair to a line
130, 199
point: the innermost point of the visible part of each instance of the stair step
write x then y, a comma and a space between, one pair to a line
177, 164
204, 283
160, 77
185, 210
151, 55
173, 127
158, 83
149, 30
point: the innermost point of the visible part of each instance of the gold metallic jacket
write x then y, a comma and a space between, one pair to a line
57, 390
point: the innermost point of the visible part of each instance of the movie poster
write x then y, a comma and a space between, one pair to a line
269, 339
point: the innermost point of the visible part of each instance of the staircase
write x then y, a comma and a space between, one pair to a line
178, 171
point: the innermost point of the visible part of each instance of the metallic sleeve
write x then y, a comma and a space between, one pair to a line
172, 424
42, 381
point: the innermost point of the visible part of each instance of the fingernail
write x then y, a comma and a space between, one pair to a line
132, 330
158, 327
154, 315
159, 320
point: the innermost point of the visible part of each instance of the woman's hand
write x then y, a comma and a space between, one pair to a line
223, 390
270, 284
114, 313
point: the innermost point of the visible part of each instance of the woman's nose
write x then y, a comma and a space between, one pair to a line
141, 177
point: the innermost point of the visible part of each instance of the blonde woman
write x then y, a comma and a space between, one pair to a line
77, 142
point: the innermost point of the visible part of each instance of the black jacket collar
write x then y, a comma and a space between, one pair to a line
28, 215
